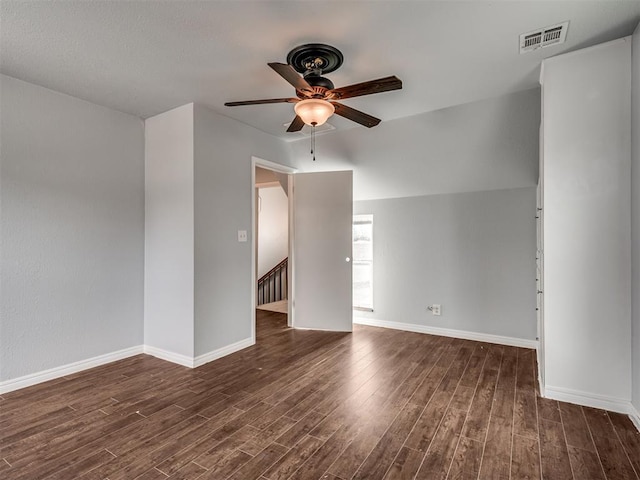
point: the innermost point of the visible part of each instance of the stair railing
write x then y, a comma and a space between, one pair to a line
273, 285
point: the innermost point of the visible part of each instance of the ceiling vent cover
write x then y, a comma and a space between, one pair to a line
544, 37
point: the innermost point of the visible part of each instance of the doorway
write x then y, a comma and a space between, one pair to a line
271, 240
319, 274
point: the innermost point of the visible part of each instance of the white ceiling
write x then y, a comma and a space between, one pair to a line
145, 57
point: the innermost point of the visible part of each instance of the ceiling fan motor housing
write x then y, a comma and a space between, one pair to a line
319, 84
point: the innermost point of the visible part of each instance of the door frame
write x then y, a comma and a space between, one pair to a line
540, 351
276, 167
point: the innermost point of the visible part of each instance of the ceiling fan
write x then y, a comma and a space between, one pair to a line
317, 98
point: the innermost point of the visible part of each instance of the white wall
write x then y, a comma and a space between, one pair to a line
198, 287
169, 236
436, 165
72, 184
635, 213
486, 145
587, 277
273, 228
473, 253
223, 284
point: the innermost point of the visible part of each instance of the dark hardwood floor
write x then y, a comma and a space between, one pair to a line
375, 404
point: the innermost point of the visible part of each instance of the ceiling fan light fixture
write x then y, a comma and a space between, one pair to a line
317, 98
314, 111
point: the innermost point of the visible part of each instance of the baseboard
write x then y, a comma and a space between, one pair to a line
223, 352
68, 369
541, 386
587, 399
324, 329
169, 356
191, 362
635, 417
448, 332
57, 372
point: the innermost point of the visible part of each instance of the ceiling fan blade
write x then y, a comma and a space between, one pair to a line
366, 88
287, 72
356, 115
296, 125
261, 102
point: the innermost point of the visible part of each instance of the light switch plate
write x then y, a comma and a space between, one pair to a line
242, 235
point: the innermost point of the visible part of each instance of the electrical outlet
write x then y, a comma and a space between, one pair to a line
242, 235
436, 309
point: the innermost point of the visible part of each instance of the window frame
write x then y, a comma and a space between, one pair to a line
363, 219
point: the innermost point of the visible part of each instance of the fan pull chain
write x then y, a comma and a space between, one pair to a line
313, 141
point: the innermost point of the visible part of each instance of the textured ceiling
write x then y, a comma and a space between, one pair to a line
145, 57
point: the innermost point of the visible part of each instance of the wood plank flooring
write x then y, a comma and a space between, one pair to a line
305, 405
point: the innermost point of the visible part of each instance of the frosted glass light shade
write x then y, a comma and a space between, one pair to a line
314, 111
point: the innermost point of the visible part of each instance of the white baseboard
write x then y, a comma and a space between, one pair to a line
324, 329
223, 352
169, 356
68, 369
447, 332
57, 372
635, 417
190, 362
587, 399
541, 386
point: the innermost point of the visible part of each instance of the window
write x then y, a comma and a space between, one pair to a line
363, 262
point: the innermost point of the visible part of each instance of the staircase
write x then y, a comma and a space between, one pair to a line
273, 285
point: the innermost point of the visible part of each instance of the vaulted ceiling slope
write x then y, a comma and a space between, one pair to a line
145, 58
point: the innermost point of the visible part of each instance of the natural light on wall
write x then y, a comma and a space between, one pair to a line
363, 262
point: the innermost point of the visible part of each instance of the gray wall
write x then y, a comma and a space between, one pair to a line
473, 253
635, 212
223, 287
587, 224
486, 145
168, 241
72, 230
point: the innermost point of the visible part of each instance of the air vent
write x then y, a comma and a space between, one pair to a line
544, 37
306, 130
